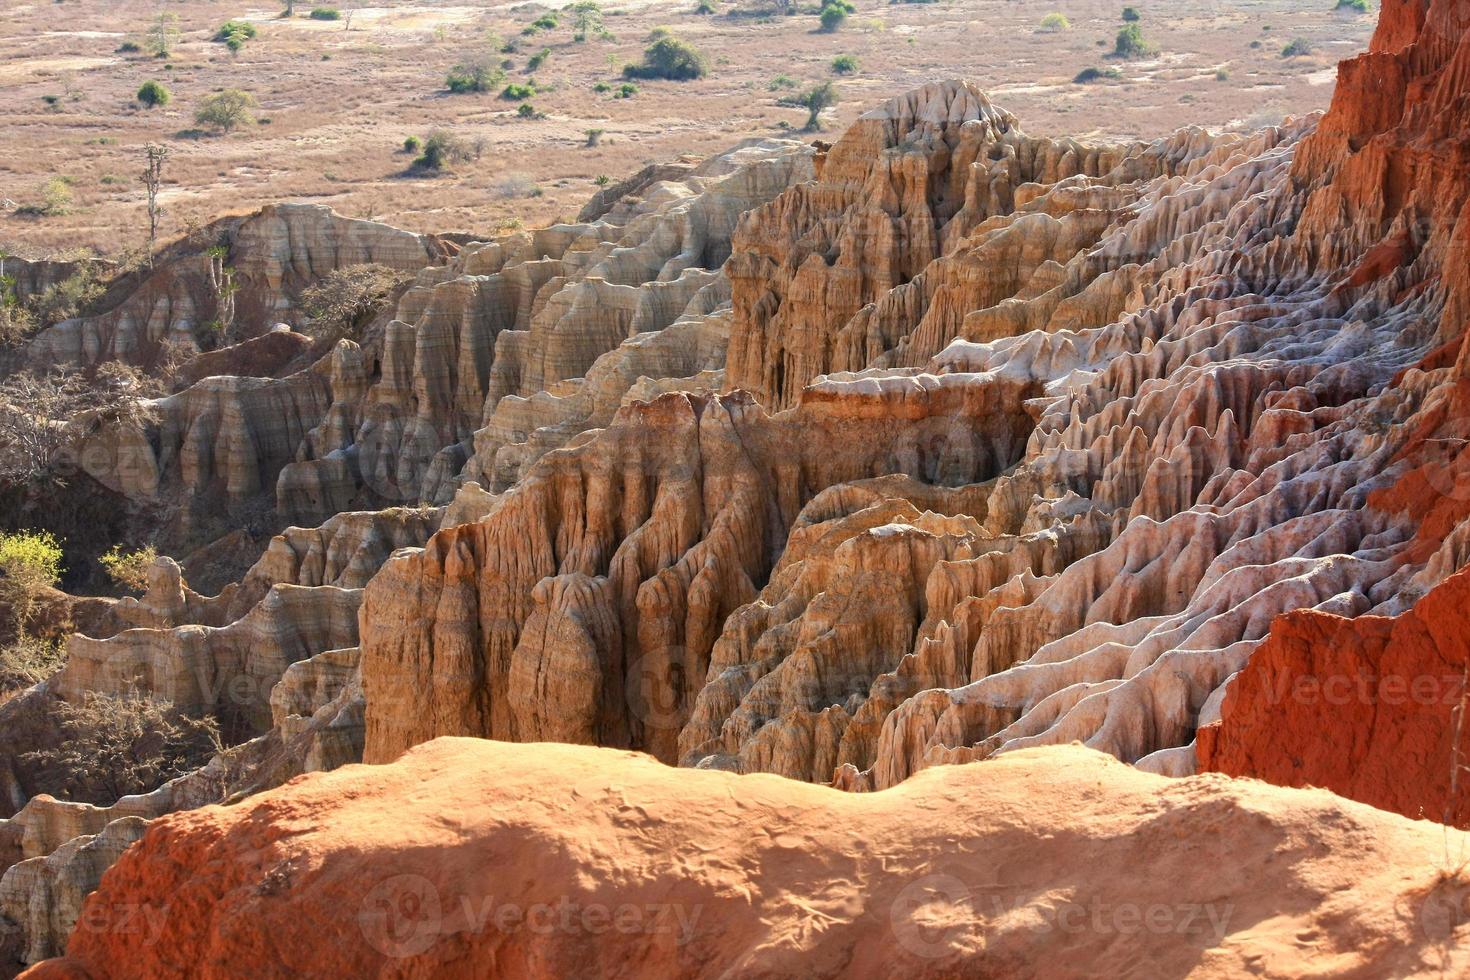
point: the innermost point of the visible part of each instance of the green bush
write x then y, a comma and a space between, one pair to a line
476, 75
780, 82
626, 91
538, 59
1131, 15
325, 13
1130, 44
1298, 47
30, 563
1356, 6
441, 148
527, 111
601, 87
129, 569
706, 7
516, 92
412, 144
235, 28
1052, 23
834, 14
153, 94
1095, 74
227, 110
844, 64
671, 58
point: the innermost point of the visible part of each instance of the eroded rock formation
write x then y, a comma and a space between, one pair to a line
847, 462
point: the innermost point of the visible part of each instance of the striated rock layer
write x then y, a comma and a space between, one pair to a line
470, 858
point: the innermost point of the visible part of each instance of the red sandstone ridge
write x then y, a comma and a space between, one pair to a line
470, 858
1364, 707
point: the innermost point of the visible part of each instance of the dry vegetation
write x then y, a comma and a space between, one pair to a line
338, 98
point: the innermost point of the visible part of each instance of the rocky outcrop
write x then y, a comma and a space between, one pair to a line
468, 857
175, 306
584, 605
1368, 708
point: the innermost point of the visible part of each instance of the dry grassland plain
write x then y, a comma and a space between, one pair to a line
338, 98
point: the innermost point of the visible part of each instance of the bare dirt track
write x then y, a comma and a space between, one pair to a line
337, 98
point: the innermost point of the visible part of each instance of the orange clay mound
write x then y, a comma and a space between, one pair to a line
470, 858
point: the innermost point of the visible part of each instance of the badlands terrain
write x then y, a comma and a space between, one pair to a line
944, 546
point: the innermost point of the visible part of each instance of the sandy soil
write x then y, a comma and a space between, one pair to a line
337, 100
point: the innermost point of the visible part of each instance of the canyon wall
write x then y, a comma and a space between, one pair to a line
843, 463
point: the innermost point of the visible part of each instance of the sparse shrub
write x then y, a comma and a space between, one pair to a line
30, 564
474, 75
587, 21
816, 100
325, 13
706, 7
69, 297
601, 88
441, 148
154, 94
516, 92
1087, 75
1131, 15
1255, 44
602, 180
1054, 23
781, 82
527, 111
162, 34
594, 136
1355, 6
345, 300
56, 200
412, 144
116, 745
129, 47
227, 110
129, 569
538, 59
1298, 47
546, 22
669, 57
844, 64
1131, 44
29, 660
515, 185
626, 91
1222, 75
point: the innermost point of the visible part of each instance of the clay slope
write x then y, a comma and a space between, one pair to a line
469, 858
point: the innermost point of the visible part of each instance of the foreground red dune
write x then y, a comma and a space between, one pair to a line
474, 858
